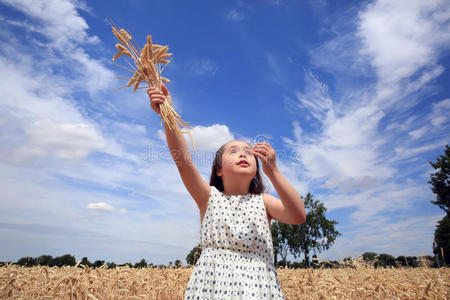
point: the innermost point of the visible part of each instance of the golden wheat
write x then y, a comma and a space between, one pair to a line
81, 282
147, 68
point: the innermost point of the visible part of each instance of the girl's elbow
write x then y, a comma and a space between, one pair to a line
301, 220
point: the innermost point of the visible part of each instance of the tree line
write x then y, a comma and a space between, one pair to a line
69, 260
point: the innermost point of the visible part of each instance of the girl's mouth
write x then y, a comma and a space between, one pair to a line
243, 163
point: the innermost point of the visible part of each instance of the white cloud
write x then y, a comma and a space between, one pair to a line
235, 15
418, 133
206, 138
103, 206
100, 206
61, 140
66, 32
441, 112
315, 99
210, 138
402, 37
202, 66
408, 235
58, 20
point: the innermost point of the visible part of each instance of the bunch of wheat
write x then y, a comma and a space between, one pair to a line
149, 62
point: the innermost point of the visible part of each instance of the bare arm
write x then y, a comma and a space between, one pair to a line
193, 181
290, 210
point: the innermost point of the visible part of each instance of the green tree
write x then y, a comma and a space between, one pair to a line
442, 240
27, 261
441, 181
86, 262
317, 233
407, 261
44, 260
280, 236
177, 263
64, 260
194, 255
369, 256
141, 264
441, 187
385, 260
98, 263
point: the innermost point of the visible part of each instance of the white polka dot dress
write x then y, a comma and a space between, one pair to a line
237, 251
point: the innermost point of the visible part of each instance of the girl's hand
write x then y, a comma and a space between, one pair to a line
158, 96
267, 156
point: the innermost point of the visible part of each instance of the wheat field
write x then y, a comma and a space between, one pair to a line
42, 282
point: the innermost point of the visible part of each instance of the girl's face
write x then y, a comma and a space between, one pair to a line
238, 158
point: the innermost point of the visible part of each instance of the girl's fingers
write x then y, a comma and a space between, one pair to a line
261, 148
265, 146
261, 151
164, 90
151, 93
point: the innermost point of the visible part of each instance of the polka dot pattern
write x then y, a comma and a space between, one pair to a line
237, 251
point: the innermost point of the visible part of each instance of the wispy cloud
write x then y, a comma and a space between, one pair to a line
201, 67
349, 158
440, 114
235, 15
102, 206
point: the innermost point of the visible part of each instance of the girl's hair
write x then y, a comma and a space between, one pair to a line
256, 185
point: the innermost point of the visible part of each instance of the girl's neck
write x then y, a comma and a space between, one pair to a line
241, 189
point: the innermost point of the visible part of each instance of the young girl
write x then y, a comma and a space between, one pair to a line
235, 236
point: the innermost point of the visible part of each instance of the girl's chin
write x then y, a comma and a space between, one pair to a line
244, 172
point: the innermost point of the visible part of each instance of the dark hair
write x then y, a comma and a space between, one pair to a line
256, 185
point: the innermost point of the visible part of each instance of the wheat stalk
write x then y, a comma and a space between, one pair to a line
147, 68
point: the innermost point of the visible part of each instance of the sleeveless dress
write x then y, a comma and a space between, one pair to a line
237, 251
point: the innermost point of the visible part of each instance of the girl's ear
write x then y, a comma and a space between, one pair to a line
219, 172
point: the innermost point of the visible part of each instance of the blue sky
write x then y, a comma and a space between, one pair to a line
353, 96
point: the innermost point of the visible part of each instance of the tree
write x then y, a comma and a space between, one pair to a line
441, 187
177, 263
442, 240
407, 261
441, 181
44, 260
369, 256
27, 261
280, 234
98, 263
86, 262
317, 233
65, 260
384, 260
141, 264
194, 255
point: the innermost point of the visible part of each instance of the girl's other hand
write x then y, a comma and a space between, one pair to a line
266, 154
158, 96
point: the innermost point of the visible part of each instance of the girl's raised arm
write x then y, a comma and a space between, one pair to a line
193, 181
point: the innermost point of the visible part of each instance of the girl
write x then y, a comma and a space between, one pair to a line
235, 236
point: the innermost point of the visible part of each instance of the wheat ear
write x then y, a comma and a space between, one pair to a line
148, 62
